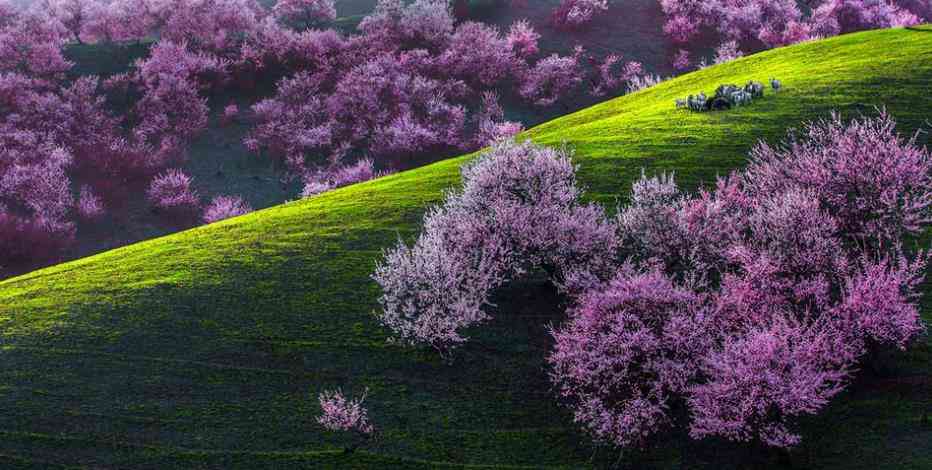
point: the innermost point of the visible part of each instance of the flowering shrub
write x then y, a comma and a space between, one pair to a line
491, 124
783, 371
551, 78
727, 52
170, 111
522, 38
342, 415
172, 191
430, 21
322, 181
40, 185
875, 184
230, 112
612, 73
224, 207
479, 52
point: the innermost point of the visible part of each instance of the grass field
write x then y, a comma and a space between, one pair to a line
207, 348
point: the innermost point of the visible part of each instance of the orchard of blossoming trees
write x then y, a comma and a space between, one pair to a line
767, 22
412, 81
729, 313
781, 22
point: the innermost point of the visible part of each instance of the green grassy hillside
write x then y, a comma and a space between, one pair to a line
206, 349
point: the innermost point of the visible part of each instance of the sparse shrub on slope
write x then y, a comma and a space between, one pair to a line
224, 207
337, 177
339, 414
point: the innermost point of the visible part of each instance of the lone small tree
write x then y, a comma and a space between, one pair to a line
349, 416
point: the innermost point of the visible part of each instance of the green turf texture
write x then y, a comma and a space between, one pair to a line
207, 348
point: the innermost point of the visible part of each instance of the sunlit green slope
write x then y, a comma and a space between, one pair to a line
207, 348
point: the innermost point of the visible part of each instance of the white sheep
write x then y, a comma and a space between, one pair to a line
697, 102
754, 88
741, 97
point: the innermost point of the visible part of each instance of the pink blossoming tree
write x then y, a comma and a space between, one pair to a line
339, 414
519, 208
570, 14
172, 191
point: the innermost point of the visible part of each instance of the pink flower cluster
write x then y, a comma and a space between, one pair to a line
340, 414
172, 192
322, 181
571, 14
224, 207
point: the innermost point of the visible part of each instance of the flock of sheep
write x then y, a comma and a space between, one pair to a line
727, 96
